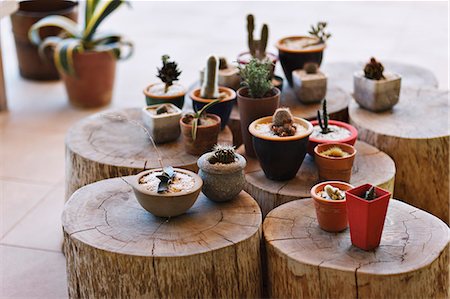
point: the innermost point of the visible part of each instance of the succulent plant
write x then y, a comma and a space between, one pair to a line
256, 76
223, 64
283, 123
210, 86
310, 67
370, 194
374, 70
169, 72
224, 154
334, 193
335, 151
197, 116
165, 179
318, 31
162, 109
323, 120
257, 47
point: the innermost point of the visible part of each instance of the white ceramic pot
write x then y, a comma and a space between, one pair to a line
309, 88
162, 127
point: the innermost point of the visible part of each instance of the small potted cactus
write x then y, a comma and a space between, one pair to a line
200, 130
167, 91
162, 122
211, 91
228, 74
374, 89
280, 143
222, 172
257, 98
326, 130
334, 161
330, 204
295, 51
310, 84
366, 209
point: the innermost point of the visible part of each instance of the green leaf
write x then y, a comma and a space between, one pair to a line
194, 128
63, 55
51, 41
91, 5
67, 25
117, 49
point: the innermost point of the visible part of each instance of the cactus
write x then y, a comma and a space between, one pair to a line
374, 70
210, 86
335, 151
224, 154
323, 120
370, 194
257, 47
223, 63
168, 73
283, 123
334, 193
256, 76
310, 67
165, 179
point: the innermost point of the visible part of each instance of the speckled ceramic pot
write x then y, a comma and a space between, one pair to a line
221, 182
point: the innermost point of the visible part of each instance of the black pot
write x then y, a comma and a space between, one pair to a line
280, 157
293, 59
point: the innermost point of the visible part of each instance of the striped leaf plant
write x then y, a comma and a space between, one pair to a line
74, 39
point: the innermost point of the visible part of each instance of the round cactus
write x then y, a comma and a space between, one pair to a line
310, 67
374, 70
283, 123
224, 154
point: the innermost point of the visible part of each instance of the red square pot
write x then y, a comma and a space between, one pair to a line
366, 218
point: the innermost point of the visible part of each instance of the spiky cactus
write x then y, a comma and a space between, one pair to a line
310, 67
224, 154
334, 193
283, 123
257, 47
374, 70
370, 194
256, 76
168, 73
210, 86
323, 120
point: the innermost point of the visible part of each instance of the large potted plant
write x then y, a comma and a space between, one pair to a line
366, 209
210, 91
166, 91
295, 51
31, 64
85, 59
374, 89
257, 98
280, 143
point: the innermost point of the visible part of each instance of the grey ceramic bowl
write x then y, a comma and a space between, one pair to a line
169, 204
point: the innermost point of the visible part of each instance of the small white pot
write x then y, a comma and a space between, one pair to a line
163, 127
376, 95
309, 88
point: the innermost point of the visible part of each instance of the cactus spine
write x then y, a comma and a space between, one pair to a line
210, 86
257, 47
224, 154
323, 120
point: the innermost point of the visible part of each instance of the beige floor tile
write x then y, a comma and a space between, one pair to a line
41, 228
27, 273
16, 200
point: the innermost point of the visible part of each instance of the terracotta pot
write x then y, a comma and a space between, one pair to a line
221, 109
292, 59
251, 109
162, 127
167, 204
153, 99
366, 218
94, 81
313, 142
334, 168
245, 57
280, 157
206, 136
331, 214
31, 64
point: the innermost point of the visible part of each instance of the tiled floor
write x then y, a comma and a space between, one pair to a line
32, 132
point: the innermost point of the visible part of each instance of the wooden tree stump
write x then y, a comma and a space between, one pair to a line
100, 147
341, 74
416, 135
370, 166
116, 249
306, 262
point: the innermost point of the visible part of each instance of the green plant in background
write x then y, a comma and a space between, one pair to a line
374, 70
223, 64
323, 120
257, 47
210, 86
198, 116
256, 76
224, 154
165, 179
318, 31
169, 72
74, 39
370, 194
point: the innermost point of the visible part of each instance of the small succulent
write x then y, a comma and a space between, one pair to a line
197, 116
323, 120
318, 31
374, 70
165, 179
224, 154
162, 109
335, 151
283, 123
256, 76
334, 193
257, 47
169, 72
370, 194
310, 67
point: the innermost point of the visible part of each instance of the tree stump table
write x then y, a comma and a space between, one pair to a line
341, 74
370, 166
101, 146
306, 262
116, 249
415, 133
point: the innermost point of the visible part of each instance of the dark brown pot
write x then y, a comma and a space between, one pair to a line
206, 136
250, 109
31, 65
92, 86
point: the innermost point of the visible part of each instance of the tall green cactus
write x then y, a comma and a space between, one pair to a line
323, 120
257, 47
210, 86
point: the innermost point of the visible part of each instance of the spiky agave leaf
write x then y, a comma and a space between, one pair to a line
63, 54
68, 26
100, 13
